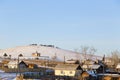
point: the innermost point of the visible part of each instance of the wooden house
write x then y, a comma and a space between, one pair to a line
108, 76
36, 54
95, 67
88, 75
4, 63
22, 64
72, 70
109, 62
14, 64
31, 65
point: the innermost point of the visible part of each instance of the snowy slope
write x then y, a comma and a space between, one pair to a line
43, 50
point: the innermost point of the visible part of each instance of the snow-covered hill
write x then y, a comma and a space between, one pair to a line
44, 51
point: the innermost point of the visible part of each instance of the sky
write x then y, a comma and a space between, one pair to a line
68, 24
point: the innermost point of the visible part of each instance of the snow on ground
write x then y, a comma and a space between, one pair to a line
44, 51
7, 76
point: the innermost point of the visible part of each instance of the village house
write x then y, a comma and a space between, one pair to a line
109, 62
22, 64
71, 70
1, 63
4, 63
36, 54
14, 64
88, 75
95, 67
107, 76
31, 65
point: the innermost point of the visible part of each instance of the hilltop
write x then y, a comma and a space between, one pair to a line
44, 50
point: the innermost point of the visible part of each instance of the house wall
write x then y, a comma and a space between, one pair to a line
12, 66
65, 73
16, 66
34, 54
30, 66
22, 66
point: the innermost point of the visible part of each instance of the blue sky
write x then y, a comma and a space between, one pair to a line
65, 23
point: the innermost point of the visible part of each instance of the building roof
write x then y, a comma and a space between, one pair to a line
13, 62
92, 73
108, 74
29, 62
94, 66
5, 61
68, 66
89, 62
71, 61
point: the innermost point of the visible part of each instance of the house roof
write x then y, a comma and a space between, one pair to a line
28, 62
91, 73
67, 66
13, 62
118, 66
94, 66
71, 61
89, 62
5, 61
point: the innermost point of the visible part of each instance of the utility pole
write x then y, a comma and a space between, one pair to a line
20, 55
45, 62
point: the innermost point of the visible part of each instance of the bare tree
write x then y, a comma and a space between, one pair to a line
88, 52
78, 57
84, 51
115, 57
92, 51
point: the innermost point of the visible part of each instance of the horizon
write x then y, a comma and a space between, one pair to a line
66, 24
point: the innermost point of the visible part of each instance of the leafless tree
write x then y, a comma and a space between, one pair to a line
115, 55
88, 52
85, 53
92, 51
78, 57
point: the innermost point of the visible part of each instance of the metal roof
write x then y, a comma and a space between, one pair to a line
94, 66
67, 66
